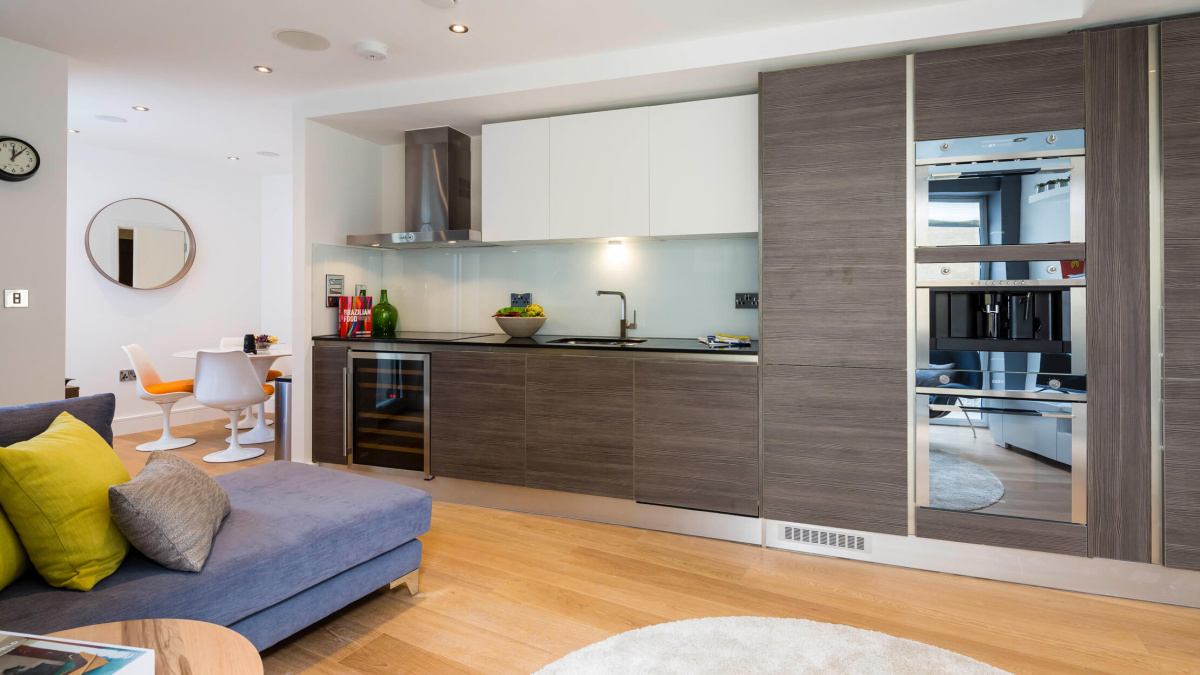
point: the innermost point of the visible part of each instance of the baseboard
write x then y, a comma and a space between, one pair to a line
152, 421
1097, 576
741, 529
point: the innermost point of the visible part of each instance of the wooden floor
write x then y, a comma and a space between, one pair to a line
506, 592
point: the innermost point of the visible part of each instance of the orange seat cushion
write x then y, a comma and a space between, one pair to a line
272, 374
269, 389
175, 387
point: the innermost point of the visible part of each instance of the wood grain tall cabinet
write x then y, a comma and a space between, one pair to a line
833, 297
1180, 65
1118, 303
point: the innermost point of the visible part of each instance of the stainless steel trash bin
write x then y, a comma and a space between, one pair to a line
283, 418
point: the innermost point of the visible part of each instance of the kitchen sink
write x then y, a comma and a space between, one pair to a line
596, 342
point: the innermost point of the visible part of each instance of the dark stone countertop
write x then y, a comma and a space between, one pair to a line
670, 345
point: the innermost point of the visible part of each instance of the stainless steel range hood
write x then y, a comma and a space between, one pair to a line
437, 194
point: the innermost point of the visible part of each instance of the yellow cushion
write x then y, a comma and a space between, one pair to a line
272, 374
13, 561
54, 488
175, 387
268, 389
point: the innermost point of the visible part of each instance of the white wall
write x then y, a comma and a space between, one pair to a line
276, 278
33, 107
221, 295
337, 185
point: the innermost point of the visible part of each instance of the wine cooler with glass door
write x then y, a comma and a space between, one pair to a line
387, 410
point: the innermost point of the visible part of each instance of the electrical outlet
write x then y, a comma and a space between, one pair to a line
16, 298
521, 299
745, 300
127, 376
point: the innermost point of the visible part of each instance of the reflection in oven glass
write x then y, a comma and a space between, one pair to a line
1000, 456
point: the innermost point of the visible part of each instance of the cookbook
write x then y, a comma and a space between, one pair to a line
22, 654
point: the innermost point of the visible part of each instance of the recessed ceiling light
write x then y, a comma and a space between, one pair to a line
266, 153
232, 158
301, 39
452, 242
458, 28
72, 131
111, 118
141, 108
264, 69
441, 4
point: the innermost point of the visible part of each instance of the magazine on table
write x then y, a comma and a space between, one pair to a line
22, 654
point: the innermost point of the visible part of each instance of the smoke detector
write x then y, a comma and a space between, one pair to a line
371, 50
441, 4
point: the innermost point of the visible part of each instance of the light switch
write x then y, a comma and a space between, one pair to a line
18, 298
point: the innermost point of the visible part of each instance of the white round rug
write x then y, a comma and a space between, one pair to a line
751, 644
959, 484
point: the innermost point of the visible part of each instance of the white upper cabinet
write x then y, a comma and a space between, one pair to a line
599, 175
516, 181
704, 167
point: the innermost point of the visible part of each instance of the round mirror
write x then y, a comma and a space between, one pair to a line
140, 243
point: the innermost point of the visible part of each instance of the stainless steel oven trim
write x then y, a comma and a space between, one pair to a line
1077, 165
921, 439
1079, 487
1036, 154
1001, 283
1078, 328
1051, 396
354, 355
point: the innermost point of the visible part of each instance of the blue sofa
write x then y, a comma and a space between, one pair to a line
300, 543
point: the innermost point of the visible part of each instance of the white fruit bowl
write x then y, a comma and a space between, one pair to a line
520, 326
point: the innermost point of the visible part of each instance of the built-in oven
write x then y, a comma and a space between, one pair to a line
387, 410
1002, 190
1001, 395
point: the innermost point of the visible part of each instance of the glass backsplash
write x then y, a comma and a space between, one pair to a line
679, 288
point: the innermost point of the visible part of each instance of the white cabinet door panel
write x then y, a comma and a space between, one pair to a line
704, 167
599, 175
516, 181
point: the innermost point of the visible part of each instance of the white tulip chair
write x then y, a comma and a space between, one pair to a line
150, 387
248, 422
226, 380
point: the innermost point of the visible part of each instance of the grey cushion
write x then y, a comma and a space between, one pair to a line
170, 512
292, 527
23, 422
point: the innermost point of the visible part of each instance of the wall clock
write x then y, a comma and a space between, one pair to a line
18, 160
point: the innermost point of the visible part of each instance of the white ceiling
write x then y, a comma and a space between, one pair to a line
191, 62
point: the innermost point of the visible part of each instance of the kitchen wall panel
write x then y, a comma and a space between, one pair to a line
1006, 88
1118, 256
833, 240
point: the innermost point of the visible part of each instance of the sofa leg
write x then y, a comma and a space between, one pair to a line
411, 580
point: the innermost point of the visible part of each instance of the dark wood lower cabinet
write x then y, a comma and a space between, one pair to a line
696, 435
1181, 475
329, 403
835, 447
477, 405
579, 424
989, 530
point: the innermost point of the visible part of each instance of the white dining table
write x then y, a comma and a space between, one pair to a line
262, 362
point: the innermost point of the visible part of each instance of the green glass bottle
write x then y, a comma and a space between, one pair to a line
384, 317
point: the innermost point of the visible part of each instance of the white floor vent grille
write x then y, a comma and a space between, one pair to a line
814, 537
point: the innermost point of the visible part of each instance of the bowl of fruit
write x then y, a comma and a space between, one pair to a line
520, 321
264, 341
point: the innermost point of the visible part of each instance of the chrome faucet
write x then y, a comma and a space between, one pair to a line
625, 325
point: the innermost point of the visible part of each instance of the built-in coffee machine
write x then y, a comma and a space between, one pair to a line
1001, 288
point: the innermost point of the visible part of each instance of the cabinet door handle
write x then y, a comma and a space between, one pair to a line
346, 416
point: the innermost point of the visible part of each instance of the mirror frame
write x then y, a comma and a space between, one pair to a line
187, 264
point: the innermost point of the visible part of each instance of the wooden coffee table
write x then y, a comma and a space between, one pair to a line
180, 647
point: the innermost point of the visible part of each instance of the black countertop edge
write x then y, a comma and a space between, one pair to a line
672, 345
